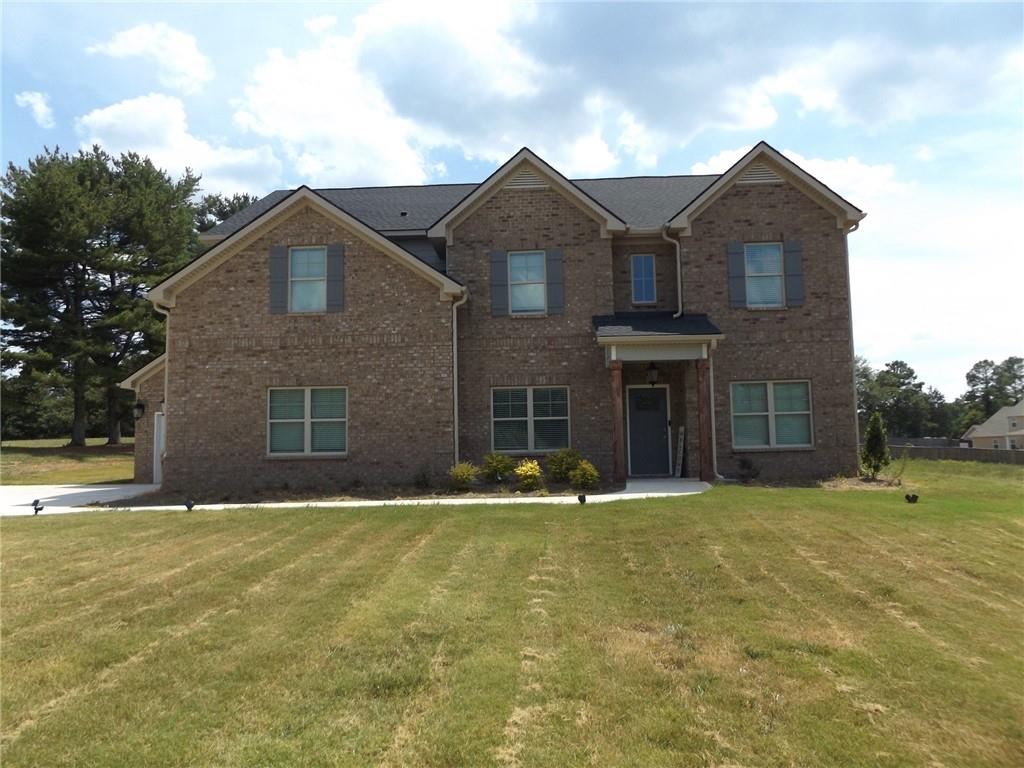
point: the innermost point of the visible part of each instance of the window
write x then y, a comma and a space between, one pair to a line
765, 282
527, 282
311, 420
307, 280
995, 443
530, 418
769, 414
1013, 444
642, 269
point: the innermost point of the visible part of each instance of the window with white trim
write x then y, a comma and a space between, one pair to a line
527, 282
307, 421
529, 419
771, 414
307, 279
642, 278
995, 443
765, 275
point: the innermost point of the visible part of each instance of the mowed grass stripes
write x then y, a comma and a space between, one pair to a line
744, 627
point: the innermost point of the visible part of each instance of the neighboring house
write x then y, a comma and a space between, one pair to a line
1003, 429
343, 335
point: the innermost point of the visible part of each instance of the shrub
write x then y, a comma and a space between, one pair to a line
585, 476
529, 474
875, 453
747, 471
562, 462
422, 479
463, 475
498, 467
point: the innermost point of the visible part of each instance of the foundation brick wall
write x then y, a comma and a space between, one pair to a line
555, 350
809, 342
391, 347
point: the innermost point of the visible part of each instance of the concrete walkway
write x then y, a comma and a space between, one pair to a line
635, 489
61, 499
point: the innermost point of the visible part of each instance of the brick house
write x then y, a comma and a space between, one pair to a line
695, 325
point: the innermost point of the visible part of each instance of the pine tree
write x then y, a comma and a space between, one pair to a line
875, 453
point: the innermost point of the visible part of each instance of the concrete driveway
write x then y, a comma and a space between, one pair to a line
60, 499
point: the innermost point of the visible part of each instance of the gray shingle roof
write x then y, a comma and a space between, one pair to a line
644, 202
626, 324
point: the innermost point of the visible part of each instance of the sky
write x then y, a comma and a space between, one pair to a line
914, 112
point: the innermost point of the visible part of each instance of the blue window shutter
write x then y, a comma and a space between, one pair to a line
335, 277
794, 269
556, 281
279, 279
737, 275
499, 283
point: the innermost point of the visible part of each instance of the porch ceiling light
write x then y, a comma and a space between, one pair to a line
652, 374
139, 410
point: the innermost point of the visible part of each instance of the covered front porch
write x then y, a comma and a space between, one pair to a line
660, 373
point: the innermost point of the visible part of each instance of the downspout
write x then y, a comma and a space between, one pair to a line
679, 269
455, 371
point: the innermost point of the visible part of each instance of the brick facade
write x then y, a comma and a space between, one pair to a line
810, 342
391, 346
554, 350
151, 393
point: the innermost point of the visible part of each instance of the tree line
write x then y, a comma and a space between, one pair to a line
909, 408
84, 236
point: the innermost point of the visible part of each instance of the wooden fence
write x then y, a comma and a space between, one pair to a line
995, 455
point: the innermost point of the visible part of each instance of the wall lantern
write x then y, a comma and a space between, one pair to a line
652, 374
139, 410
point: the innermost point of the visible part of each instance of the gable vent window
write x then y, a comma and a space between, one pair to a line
759, 173
527, 178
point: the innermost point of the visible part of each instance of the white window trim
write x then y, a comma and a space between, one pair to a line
307, 420
781, 274
632, 279
530, 451
305, 280
772, 445
543, 282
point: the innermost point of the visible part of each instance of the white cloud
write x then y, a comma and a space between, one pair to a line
156, 126
180, 63
38, 104
320, 24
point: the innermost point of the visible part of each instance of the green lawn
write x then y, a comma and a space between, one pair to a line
51, 462
744, 627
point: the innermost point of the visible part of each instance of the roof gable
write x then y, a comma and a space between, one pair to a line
764, 164
165, 292
149, 369
525, 170
998, 424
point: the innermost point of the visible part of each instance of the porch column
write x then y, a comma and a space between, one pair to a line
704, 416
618, 443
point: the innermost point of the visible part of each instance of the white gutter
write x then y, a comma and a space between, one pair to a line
679, 270
455, 371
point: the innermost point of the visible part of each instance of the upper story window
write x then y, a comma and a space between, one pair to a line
769, 414
527, 282
765, 275
642, 278
307, 279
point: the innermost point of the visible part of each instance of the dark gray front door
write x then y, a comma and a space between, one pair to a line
648, 431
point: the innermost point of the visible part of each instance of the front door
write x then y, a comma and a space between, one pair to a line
648, 431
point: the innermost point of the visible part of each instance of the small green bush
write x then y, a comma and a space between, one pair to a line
529, 474
498, 467
463, 475
874, 455
585, 476
562, 462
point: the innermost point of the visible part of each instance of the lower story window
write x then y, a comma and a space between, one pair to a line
307, 420
768, 414
530, 418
